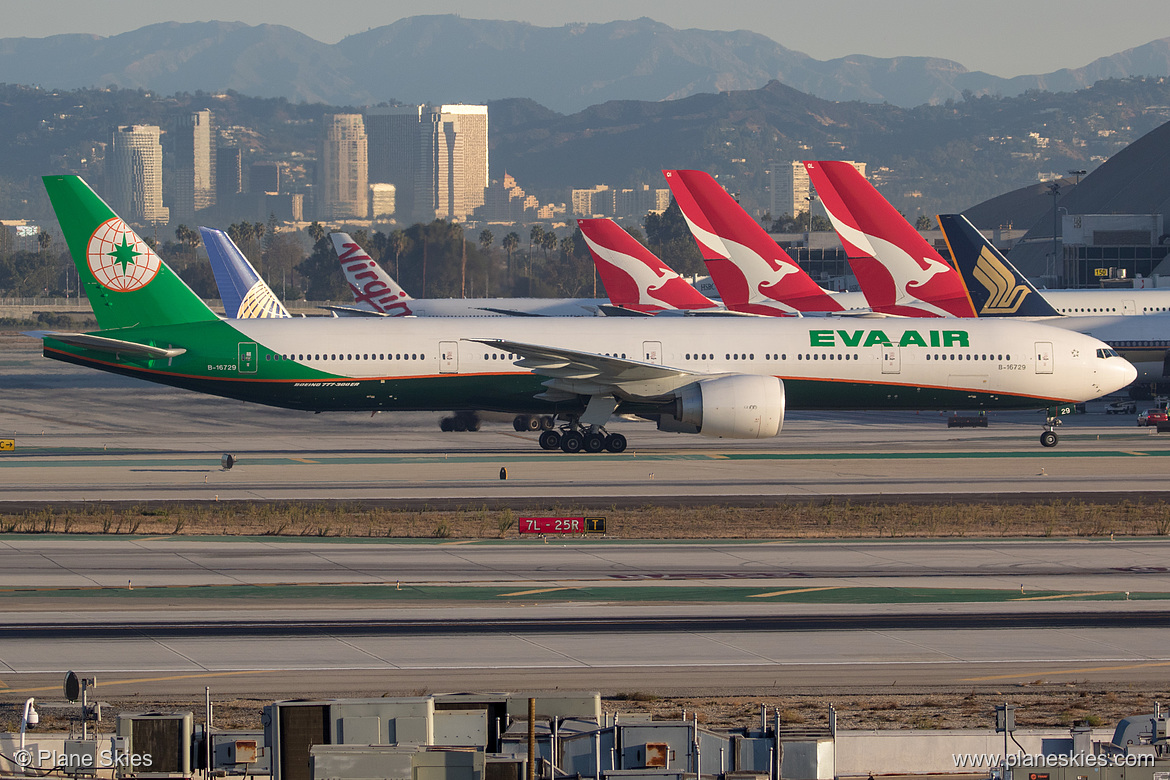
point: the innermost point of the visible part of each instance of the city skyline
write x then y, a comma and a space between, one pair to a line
996, 36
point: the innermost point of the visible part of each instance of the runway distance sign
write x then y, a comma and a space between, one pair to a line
562, 525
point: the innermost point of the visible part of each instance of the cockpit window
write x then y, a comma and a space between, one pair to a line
1107, 353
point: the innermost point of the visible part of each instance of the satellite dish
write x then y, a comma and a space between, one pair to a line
72, 687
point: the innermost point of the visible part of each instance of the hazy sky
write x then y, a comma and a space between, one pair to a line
1003, 37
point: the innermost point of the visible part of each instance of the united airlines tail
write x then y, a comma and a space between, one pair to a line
752, 272
373, 289
997, 289
899, 272
126, 282
633, 276
245, 295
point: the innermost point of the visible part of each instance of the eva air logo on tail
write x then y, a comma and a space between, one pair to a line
119, 259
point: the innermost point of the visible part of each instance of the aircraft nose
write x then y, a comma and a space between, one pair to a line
1118, 373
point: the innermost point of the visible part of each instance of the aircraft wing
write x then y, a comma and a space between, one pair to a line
103, 344
574, 373
350, 311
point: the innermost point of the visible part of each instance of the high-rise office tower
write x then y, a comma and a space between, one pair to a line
393, 140
264, 177
134, 174
452, 169
790, 188
195, 162
229, 173
343, 183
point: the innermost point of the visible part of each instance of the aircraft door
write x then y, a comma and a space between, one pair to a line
652, 352
1128, 307
1043, 357
891, 360
247, 358
448, 357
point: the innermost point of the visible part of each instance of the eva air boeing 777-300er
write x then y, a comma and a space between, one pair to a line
730, 377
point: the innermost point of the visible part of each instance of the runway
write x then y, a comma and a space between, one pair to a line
83, 436
292, 618
283, 617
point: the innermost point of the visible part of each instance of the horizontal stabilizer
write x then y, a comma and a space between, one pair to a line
115, 346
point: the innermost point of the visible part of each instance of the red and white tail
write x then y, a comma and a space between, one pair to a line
899, 272
751, 271
633, 276
373, 289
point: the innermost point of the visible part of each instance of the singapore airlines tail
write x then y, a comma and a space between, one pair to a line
997, 289
374, 290
245, 295
899, 272
126, 282
752, 272
634, 278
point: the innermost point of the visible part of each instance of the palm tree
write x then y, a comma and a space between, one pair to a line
535, 239
44, 240
396, 243
316, 232
511, 243
486, 239
548, 243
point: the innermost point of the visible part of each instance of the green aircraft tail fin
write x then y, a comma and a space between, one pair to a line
126, 282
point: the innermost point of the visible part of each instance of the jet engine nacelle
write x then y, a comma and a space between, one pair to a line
733, 407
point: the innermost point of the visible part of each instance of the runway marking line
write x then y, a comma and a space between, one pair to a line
794, 590
305, 460
531, 592
1066, 596
108, 683
459, 542
1149, 665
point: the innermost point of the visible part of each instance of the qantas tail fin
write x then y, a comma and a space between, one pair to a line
245, 295
747, 266
633, 276
997, 288
372, 287
897, 269
126, 282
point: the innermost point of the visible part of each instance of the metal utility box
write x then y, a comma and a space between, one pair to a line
291, 729
239, 752
81, 757
394, 762
163, 736
555, 705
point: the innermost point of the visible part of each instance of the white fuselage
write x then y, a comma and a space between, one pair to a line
903, 355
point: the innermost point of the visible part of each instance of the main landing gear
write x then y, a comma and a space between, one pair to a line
1049, 438
461, 421
534, 422
574, 438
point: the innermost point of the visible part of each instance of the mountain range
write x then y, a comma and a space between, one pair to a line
446, 58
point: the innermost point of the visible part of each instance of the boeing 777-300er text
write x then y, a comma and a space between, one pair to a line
724, 377
377, 294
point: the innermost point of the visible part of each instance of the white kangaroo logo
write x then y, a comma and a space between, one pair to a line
646, 279
908, 273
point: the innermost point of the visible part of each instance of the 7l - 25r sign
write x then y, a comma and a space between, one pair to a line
562, 525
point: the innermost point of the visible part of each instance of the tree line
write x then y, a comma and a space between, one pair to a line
430, 260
